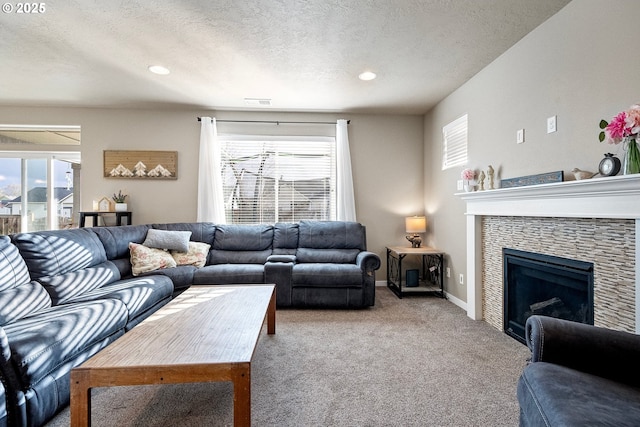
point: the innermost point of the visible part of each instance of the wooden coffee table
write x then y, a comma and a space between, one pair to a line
208, 333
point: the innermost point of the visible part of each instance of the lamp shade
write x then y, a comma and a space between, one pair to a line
415, 224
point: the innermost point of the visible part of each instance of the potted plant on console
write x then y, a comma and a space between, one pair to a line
120, 200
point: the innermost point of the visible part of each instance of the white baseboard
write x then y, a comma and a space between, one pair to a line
457, 301
454, 300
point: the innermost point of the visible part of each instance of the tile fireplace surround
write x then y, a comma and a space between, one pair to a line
592, 220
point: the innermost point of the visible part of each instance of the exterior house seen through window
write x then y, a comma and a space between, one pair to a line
278, 179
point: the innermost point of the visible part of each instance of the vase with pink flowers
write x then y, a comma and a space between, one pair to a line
467, 176
625, 128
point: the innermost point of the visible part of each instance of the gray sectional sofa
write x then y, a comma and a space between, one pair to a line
65, 295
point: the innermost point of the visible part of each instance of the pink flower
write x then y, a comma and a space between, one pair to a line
617, 130
632, 122
468, 174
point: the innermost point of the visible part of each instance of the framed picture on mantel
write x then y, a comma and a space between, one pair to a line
543, 178
132, 164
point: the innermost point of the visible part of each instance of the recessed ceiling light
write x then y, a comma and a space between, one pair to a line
367, 75
159, 69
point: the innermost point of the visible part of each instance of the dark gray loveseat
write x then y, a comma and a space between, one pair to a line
65, 295
579, 375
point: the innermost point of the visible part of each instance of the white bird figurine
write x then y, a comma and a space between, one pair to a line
580, 174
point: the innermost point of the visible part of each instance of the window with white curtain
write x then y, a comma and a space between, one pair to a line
454, 143
278, 179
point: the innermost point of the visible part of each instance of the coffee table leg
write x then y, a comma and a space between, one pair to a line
271, 314
80, 399
242, 397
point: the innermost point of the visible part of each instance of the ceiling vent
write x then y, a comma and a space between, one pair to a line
259, 102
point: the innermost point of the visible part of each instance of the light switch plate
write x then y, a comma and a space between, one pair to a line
460, 185
551, 124
520, 136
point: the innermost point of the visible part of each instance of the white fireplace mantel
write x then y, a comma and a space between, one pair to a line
612, 197
609, 197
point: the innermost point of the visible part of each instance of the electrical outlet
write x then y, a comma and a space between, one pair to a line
520, 136
460, 185
448, 272
461, 279
551, 124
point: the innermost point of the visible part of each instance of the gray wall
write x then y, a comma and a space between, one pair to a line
386, 150
580, 65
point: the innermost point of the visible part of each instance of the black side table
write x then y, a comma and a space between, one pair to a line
95, 215
432, 274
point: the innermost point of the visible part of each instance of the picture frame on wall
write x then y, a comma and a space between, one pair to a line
141, 164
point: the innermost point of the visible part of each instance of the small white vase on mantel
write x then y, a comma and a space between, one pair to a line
468, 187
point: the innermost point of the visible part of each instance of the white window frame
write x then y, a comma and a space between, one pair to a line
454, 142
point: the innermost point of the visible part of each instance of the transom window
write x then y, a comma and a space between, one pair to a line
278, 179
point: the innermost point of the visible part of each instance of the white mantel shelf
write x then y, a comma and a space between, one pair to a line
608, 197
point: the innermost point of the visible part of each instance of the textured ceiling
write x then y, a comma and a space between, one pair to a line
304, 55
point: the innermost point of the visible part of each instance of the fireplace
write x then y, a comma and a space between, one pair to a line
595, 220
547, 285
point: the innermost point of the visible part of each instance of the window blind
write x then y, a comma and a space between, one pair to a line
454, 139
269, 180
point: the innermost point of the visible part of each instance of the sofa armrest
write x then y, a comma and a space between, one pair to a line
279, 270
368, 262
281, 258
598, 351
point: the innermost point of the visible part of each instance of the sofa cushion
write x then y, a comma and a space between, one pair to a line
339, 256
226, 274
116, 239
326, 275
41, 343
13, 270
22, 301
19, 296
243, 237
139, 295
331, 235
181, 276
196, 255
173, 240
285, 238
144, 259
555, 395
49, 253
63, 287
238, 257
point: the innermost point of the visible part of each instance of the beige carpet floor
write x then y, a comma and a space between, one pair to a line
417, 361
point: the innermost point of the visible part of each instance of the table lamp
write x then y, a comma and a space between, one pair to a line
415, 225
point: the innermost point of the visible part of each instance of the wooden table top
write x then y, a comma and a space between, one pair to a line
203, 325
422, 250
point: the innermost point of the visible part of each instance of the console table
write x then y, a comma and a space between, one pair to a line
431, 280
94, 215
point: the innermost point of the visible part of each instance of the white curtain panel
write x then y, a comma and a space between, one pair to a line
210, 197
346, 209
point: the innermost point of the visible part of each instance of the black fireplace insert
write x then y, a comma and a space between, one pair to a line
546, 285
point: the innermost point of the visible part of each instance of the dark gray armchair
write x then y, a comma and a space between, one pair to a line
579, 375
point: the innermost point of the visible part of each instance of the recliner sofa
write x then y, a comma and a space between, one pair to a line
579, 375
65, 295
